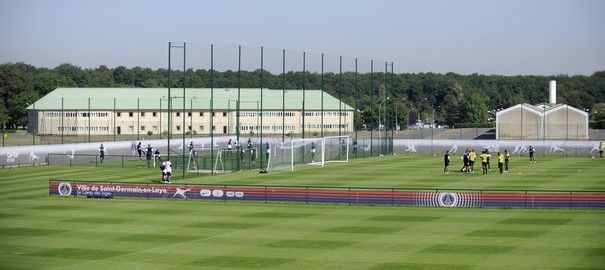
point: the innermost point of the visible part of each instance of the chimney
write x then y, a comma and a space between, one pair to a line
552, 92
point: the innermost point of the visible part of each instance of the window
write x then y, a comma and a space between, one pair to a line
201, 113
224, 114
119, 114
130, 114
131, 129
178, 114
213, 114
154, 114
155, 128
189, 128
142, 128
178, 127
142, 114
201, 127
213, 128
189, 114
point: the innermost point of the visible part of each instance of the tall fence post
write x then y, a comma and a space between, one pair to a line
62, 121
349, 193
306, 195
525, 199
88, 119
114, 119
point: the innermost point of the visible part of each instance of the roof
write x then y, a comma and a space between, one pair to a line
198, 98
524, 106
542, 109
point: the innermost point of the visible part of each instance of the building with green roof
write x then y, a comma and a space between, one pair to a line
104, 111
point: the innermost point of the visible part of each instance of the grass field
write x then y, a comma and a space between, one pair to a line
39, 232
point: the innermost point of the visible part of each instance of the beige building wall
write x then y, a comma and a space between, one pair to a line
73, 123
559, 123
565, 122
519, 123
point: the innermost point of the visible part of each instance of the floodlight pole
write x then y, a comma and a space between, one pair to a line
386, 94
371, 103
184, 106
304, 93
237, 128
356, 113
261, 106
283, 97
211, 108
393, 130
322, 95
340, 97
169, 101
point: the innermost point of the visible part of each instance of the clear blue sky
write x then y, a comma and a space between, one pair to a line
490, 37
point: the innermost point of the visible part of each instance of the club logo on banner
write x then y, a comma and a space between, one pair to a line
448, 199
64, 189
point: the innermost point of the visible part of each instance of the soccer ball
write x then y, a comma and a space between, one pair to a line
592, 157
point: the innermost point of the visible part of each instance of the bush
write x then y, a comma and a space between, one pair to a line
315, 133
150, 133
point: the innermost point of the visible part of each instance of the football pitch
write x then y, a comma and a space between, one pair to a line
40, 232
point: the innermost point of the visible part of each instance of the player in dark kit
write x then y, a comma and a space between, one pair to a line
140, 149
149, 155
101, 153
506, 157
532, 152
446, 161
465, 162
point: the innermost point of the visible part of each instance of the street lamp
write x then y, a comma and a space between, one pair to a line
433, 127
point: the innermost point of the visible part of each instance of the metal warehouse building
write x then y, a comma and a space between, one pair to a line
548, 121
104, 111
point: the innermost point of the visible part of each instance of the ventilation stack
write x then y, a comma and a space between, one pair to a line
552, 92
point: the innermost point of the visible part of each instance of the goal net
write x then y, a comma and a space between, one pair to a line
307, 152
336, 148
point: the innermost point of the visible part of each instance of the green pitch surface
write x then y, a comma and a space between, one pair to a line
39, 232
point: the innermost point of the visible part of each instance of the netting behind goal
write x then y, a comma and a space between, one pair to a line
336, 149
306, 152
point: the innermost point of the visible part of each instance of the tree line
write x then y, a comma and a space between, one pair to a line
456, 100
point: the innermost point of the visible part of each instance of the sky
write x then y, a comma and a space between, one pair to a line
512, 37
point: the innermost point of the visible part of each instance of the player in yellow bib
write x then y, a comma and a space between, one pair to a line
484, 156
472, 156
500, 162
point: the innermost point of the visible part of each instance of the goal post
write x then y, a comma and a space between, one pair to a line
307, 152
336, 148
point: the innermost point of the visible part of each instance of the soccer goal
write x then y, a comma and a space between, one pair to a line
336, 149
201, 160
307, 152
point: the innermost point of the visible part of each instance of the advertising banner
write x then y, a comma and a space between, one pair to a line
336, 195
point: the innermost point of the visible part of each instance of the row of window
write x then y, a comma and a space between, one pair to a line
201, 128
327, 126
313, 113
265, 114
189, 114
82, 128
177, 114
76, 114
274, 128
